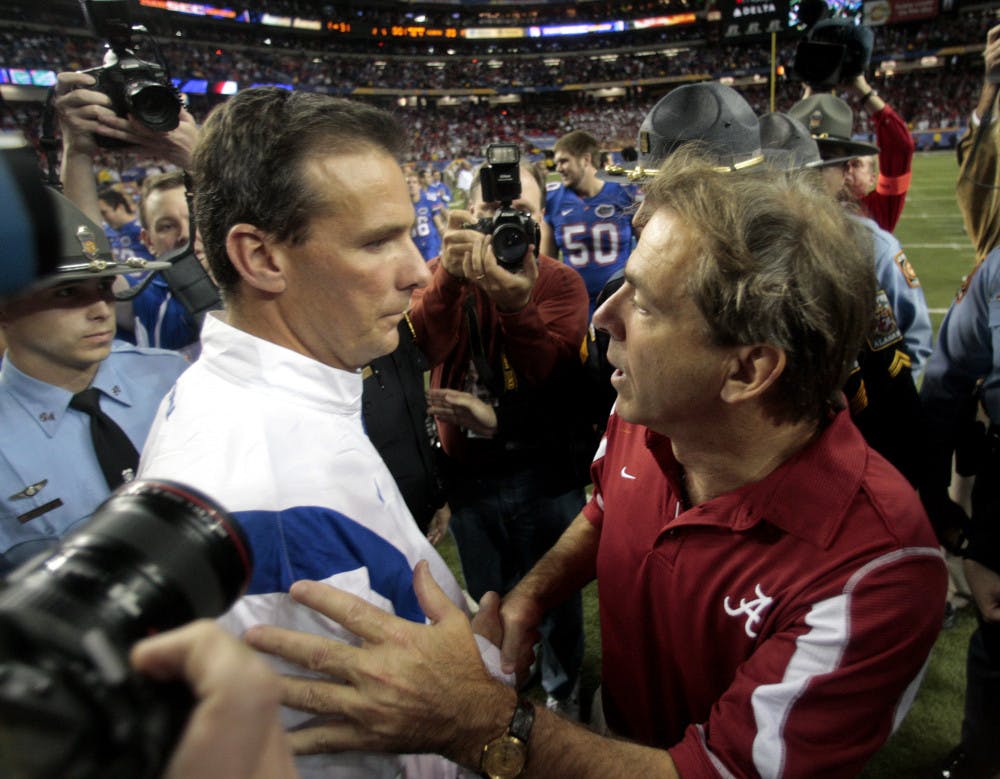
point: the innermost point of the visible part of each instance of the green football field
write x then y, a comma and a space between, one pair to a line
931, 230
932, 235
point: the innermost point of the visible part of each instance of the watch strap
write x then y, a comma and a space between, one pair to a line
522, 721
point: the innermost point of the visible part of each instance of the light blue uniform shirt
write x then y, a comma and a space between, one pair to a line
50, 480
898, 280
968, 349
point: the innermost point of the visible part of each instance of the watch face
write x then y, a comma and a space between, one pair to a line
504, 758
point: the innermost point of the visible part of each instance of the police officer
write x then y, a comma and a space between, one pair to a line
830, 120
62, 449
880, 390
967, 362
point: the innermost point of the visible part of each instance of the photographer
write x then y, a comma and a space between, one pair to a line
509, 336
85, 114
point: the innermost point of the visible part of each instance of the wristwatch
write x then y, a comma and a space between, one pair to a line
504, 757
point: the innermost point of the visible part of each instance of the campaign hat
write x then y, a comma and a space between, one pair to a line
830, 122
83, 248
708, 113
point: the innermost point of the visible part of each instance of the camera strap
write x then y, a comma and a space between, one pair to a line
48, 141
479, 358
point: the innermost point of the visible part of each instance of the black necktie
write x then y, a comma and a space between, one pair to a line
115, 452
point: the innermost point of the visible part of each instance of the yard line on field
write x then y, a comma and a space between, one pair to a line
957, 247
938, 310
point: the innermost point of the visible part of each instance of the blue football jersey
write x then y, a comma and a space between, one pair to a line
424, 232
593, 234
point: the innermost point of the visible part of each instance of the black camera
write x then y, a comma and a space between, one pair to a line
833, 52
511, 231
154, 556
136, 87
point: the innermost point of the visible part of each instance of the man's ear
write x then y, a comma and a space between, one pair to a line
251, 251
753, 369
144, 237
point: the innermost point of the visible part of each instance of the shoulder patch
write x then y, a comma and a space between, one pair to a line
966, 282
552, 186
885, 331
605, 210
906, 268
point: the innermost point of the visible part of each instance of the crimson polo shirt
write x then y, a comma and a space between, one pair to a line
778, 630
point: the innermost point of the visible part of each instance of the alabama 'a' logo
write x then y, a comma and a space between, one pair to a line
753, 610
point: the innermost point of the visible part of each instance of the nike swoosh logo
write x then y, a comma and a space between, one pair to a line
566, 211
626, 474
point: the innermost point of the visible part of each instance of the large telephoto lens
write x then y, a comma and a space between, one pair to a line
154, 556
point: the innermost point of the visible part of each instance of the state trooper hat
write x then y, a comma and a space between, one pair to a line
711, 114
830, 121
787, 143
789, 146
84, 249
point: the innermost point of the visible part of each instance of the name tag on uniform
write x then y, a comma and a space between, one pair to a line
37, 512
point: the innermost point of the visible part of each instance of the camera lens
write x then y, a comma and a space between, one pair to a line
510, 244
153, 104
154, 556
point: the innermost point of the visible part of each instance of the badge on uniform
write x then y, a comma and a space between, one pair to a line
885, 331
907, 269
30, 491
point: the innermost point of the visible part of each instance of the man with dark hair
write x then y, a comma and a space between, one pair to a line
306, 222
438, 187
770, 587
507, 340
75, 405
155, 317
429, 218
590, 220
160, 318
121, 226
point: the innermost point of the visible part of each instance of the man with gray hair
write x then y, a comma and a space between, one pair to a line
770, 587
306, 222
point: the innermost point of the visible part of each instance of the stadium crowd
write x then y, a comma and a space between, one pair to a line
926, 97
